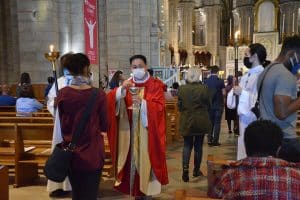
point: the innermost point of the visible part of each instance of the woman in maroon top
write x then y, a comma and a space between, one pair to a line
88, 157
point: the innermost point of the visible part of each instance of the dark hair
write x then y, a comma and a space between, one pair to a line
260, 50
229, 80
143, 58
175, 85
266, 63
262, 138
26, 91
114, 81
214, 69
50, 79
25, 78
76, 63
151, 72
290, 43
64, 60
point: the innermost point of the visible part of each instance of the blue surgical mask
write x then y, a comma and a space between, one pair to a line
295, 64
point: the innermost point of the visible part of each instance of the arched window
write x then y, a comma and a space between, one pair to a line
266, 17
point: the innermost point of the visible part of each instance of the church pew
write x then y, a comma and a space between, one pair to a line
26, 169
181, 194
4, 181
26, 119
172, 121
35, 114
8, 133
214, 169
7, 109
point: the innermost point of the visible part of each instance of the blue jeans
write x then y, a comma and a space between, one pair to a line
290, 150
189, 142
215, 115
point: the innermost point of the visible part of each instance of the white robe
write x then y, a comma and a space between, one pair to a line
247, 101
57, 137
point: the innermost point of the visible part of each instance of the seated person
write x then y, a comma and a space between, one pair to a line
27, 104
260, 175
5, 98
174, 90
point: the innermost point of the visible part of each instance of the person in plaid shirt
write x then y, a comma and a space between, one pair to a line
261, 175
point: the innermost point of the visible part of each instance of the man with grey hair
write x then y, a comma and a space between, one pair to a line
217, 88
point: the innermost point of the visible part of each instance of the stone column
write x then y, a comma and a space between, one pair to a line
213, 16
187, 7
9, 43
173, 29
197, 27
288, 8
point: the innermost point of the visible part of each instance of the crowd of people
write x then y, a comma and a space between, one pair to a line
268, 148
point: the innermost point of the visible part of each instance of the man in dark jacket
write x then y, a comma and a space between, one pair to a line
217, 88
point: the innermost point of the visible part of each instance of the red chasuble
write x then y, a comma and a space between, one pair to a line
154, 96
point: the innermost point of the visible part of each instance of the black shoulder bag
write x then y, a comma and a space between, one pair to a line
255, 109
58, 164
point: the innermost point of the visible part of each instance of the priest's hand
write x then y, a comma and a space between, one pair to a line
237, 90
126, 84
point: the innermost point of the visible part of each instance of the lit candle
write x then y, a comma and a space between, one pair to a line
249, 27
236, 35
293, 24
230, 28
51, 47
283, 19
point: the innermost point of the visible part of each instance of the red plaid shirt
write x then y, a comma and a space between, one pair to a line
259, 178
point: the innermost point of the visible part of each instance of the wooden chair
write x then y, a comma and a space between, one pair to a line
4, 183
8, 135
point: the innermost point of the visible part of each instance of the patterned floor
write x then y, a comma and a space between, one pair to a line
196, 186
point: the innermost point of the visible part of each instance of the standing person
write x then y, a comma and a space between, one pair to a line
194, 101
150, 130
58, 190
254, 59
5, 98
50, 80
88, 156
278, 99
217, 88
116, 80
230, 114
24, 79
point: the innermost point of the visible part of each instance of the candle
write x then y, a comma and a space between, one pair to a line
249, 27
293, 24
236, 35
283, 18
230, 28
51, 47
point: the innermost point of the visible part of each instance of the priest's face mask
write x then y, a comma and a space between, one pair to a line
139, 69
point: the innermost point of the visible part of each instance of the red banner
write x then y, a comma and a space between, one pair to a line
91, 30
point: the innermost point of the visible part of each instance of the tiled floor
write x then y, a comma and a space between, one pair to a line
196, 185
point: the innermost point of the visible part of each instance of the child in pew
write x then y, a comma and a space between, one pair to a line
261, 175
27, 104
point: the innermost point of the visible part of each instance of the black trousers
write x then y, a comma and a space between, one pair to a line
85, 184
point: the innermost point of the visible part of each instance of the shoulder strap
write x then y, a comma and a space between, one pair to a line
82, 123
262, 81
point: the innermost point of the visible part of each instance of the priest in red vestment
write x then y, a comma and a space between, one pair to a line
149, 146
